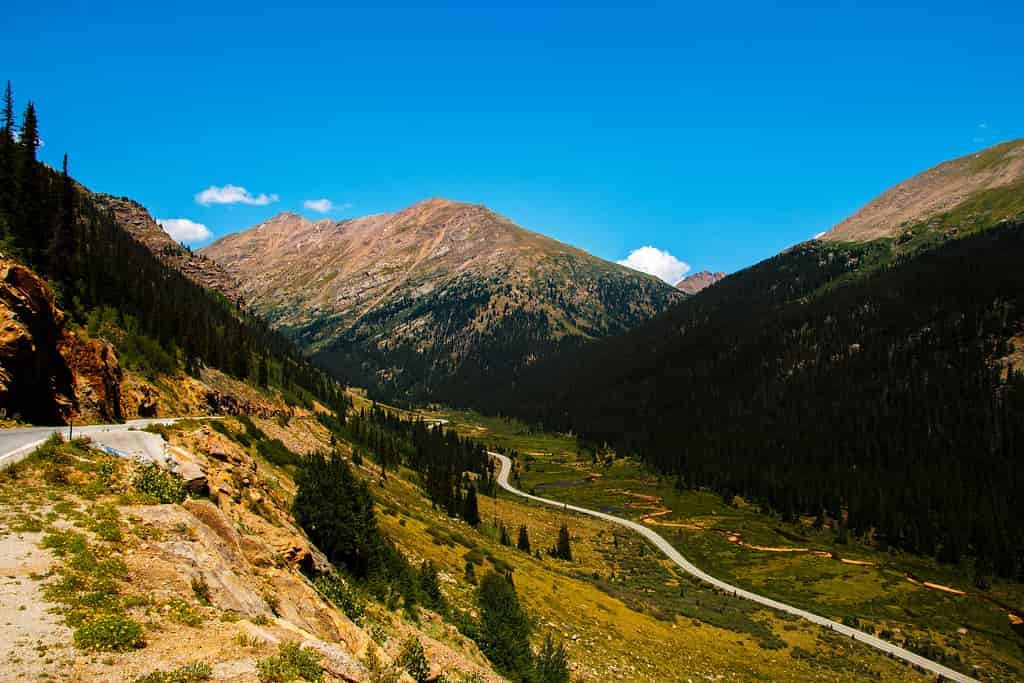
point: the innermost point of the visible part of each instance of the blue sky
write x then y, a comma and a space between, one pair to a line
719, 133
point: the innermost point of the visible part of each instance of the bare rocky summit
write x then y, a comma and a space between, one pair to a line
691, 284
936, 191
410, 300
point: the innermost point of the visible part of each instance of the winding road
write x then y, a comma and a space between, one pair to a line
664, 546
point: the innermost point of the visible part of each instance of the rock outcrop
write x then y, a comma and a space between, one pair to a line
35, 381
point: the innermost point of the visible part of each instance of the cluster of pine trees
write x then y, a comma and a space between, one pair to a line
877, 399
51, 224
452, 468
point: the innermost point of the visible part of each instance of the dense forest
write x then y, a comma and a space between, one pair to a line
815, 383
452, 468
52, 224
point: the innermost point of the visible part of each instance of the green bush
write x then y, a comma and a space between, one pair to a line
291, 663
414, 660
190, 673
110, 632
160, 484
339, 591
274, 451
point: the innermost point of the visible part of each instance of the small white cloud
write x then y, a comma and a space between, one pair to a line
820, 235
658, 263
318, 205
184, 230
983, 126
233, 194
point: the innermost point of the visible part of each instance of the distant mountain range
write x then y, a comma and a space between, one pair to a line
441, 300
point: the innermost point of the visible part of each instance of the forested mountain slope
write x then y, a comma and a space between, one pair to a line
871, 380
440, 300
109, 275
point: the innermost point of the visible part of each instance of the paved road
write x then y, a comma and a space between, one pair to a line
664, 546
18, 443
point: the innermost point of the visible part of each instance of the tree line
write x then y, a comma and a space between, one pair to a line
452, 468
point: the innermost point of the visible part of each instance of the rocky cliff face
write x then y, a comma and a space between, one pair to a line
35, 381
430, 300
691, 284
936, 191
135, 219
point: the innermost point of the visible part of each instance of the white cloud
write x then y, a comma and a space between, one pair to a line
983, 126
233, 194
819, 235
658, 263
184, 230
318, 205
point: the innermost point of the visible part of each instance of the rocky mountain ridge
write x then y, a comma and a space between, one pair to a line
937, 191
137, 221
422, 301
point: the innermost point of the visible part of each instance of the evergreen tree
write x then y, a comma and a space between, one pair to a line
8, 129
29, 139
504, 626
470, 573
431, 588
336, 510
563, 551
503, 536
264, 372
552, 665
523, 543
470, 511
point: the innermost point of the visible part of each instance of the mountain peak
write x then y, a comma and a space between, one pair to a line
935, 191
691, 284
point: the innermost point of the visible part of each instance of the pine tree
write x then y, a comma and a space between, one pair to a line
264, 372
564, 550
8, 129
504, 626
504, 538
524, 540
470, 511
431, 588
29, 139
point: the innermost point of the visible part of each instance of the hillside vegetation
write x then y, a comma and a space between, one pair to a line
870, 381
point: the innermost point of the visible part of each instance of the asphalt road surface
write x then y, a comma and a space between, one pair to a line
664, 546
124, 439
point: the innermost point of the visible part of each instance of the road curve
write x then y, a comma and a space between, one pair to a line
19, 442
664, 546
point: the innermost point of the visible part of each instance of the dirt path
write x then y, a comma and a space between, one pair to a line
35, 639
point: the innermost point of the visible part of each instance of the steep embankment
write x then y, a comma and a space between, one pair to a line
438, 300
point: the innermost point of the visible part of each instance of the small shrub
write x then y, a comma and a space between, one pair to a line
201, 589
291, 662
159, 484
113, 632
190, 673
414, 660
184, 613
340, 592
